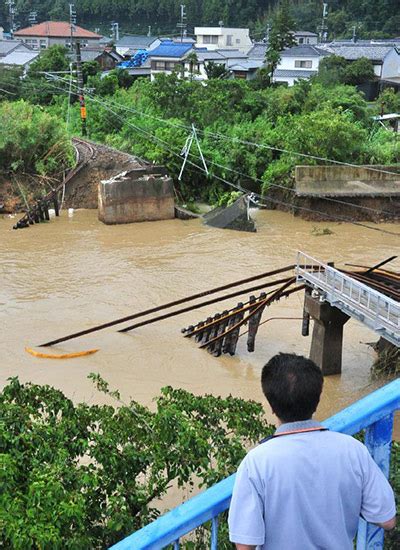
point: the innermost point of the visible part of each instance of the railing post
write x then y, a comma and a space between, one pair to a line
378, 439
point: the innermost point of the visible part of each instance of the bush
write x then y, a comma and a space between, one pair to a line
32, 140
84, 476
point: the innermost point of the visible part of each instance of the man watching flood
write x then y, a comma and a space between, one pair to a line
306, 487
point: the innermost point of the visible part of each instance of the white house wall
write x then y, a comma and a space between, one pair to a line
226, 38
391, 65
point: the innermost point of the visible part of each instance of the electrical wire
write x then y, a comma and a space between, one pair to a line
231, 184
291, 190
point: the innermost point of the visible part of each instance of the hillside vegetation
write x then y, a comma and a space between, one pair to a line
371, 17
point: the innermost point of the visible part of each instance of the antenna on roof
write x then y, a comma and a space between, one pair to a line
182, 24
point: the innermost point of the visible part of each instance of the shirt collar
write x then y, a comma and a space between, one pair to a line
301, 425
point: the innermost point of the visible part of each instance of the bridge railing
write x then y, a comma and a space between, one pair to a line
374, 413
374, 309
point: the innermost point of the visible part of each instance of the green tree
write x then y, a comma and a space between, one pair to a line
193, 61
52, 59
215, 70
89, 68
84, 476
359, 71
281, 37
32, 140
10, 83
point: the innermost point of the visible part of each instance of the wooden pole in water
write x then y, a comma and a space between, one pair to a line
174, 303
275, 296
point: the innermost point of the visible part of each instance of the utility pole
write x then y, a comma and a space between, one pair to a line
32, 18
80, 87
72, 23
115, 31
182, 24
354, 37
11, 16
323, 29
149, 31
268, 30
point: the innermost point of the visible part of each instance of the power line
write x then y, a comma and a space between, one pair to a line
291, 190
238, 187
255, 144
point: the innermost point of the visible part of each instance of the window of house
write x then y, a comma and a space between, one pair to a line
301, 40
158, 65
229, 40
43, 43
170, 65
237, 40
303, 64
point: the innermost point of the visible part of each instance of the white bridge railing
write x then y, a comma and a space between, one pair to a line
375, 310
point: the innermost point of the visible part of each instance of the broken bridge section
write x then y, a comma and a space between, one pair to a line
334, 296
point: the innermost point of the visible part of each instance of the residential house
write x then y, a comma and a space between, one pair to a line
168, 57
247, 69
129, 44
107, 59
9, 46
19, 58
385, 56
214, 38
226, 57
298, 63
49, 33
305, 37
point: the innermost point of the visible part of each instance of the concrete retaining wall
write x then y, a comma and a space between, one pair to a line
336, 181
128, 198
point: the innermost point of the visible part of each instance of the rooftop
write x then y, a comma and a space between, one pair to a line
249, 65
258, 51
232, 54
136, 41
59, 29
171, 49
7, 46
304, 50
20, 58
375, 52
305, 33
289, 73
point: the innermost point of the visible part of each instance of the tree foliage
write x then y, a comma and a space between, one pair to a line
32, 140
334, 70
281, 37
373, 18
84, 476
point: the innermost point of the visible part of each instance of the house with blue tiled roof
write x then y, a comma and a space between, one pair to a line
168, 56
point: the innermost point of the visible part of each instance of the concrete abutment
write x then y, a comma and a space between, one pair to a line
327, 337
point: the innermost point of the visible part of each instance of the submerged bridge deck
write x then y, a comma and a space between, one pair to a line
371, 298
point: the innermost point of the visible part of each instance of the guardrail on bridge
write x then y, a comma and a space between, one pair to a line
374, 413
372, 308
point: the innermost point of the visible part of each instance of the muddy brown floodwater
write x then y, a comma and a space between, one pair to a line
73, 273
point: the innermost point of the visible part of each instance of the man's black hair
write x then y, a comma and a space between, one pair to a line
292, 385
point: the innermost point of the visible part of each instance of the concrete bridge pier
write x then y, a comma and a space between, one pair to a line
327, 336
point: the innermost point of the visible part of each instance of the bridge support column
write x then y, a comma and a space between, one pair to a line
327, 337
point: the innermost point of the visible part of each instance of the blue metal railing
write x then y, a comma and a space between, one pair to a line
374, 413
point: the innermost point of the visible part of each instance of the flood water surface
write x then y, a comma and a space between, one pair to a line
73, 273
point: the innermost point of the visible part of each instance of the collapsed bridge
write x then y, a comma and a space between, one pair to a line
370, 295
